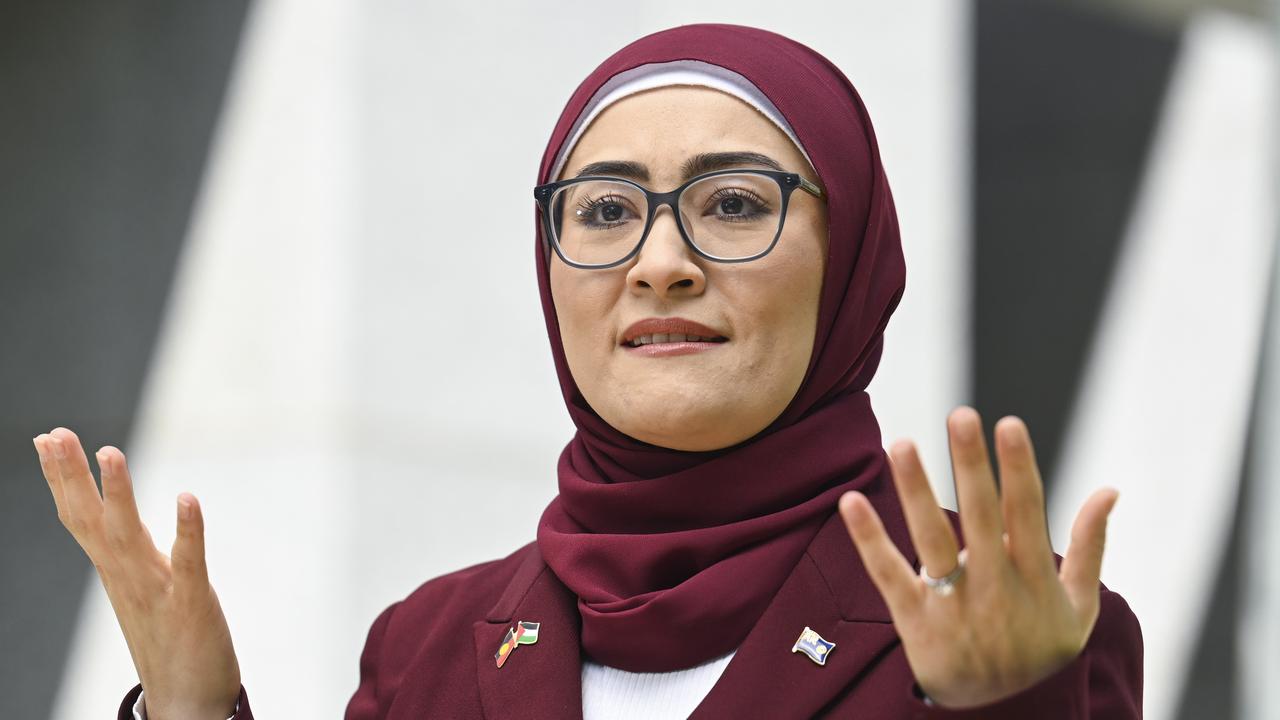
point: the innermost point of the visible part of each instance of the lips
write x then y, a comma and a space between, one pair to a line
666, 330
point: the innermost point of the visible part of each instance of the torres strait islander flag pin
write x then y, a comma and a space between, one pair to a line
811, 643
524, 633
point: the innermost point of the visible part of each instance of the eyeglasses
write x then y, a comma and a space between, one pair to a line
597, 222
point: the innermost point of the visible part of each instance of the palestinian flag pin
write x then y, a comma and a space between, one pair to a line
524, 633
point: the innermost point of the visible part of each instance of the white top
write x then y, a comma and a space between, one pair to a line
612, 694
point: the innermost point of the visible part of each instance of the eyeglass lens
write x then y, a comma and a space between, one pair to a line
729, 216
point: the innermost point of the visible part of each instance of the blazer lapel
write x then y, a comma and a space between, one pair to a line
829, 591
541, 681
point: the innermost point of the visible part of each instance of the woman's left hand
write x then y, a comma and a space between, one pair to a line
1013, 618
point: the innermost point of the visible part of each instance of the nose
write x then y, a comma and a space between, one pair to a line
666, 265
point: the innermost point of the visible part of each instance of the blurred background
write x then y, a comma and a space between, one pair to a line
281, 254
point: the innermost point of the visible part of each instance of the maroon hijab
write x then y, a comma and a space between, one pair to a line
674, 555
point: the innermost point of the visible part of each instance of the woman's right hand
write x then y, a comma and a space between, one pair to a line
169, 613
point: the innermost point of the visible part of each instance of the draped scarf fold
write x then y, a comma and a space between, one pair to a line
673, 554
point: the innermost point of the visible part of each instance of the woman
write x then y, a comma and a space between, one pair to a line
730, 538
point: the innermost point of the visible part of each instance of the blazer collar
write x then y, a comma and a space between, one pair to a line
828, 590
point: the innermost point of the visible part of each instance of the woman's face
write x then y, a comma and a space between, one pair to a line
767, 308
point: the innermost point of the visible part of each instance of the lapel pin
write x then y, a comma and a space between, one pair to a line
524, 633
528, 633
812, 644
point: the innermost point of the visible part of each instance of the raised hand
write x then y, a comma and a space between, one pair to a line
1011, 617
169, 613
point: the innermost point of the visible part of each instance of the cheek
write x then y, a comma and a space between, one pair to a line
785, 341
781, 307
583, 304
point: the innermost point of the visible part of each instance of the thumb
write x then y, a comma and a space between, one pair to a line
189, 570
1082, 565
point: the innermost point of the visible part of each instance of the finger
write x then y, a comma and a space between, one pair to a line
975, 486
189, 572
124, 527
49, 466
84, 504
889, 571
1082, 565
931, 533
1022, 498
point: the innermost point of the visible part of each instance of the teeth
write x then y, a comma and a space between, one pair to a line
666, 337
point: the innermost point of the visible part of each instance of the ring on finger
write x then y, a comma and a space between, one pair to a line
945, 585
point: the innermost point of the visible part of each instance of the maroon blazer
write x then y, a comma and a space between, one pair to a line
431, 655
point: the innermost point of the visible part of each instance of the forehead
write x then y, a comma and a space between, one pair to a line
661, 127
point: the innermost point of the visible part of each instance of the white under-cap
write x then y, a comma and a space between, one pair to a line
675, 72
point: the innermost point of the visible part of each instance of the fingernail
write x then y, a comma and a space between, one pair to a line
39, 448
58, 451
184, 510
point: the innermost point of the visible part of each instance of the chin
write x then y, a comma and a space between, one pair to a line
691, 428
693, 442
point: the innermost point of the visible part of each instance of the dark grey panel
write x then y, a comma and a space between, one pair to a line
106, 113
1066, 104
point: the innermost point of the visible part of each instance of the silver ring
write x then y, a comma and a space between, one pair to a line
944, 586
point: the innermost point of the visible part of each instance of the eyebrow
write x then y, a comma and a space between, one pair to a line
695, 165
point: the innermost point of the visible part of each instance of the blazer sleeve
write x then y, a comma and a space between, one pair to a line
131, 698
364, 704
1103, 682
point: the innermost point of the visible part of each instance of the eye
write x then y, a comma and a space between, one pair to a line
605, 212
734, 204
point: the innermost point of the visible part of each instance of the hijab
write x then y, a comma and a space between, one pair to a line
674, 555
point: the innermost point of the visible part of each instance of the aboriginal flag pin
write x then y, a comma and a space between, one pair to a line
812, 644
524, 633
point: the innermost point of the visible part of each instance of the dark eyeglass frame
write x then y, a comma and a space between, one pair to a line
787, 182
